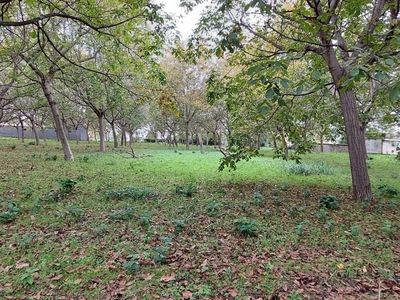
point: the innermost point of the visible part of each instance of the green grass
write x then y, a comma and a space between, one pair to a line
112, 226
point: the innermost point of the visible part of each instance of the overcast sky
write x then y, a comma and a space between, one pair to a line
186, 23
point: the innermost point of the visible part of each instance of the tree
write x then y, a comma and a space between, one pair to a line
349, 40
52, 36
186, 84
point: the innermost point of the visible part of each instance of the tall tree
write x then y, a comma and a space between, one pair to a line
347, 39
52, 36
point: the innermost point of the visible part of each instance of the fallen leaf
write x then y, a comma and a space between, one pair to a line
21, 265
168, 277
148, 277
233, 292
187, 294
55, 278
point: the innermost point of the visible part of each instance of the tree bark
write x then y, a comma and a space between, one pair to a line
45, 83
102, 132
354, 131
35, 132
114, 132
201, 143
187, 142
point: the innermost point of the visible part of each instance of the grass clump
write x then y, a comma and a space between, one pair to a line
329, 202
132, 193
318, 168
388, 190
9, 212
124, 214
188, 189
246, 227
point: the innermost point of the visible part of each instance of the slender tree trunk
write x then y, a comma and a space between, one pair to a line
207, 139
114, 133
57, 118
187, 142
201, 143
22, 129
76, 135
321, 141
35, 133
274, 141
102, 133
215, 140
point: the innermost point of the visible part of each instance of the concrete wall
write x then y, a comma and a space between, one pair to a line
8, 131
373, 147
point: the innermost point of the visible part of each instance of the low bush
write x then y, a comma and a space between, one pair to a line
132, 193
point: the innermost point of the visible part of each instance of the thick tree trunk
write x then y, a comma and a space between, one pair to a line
57, 119
355, 135
357, 148
102, 133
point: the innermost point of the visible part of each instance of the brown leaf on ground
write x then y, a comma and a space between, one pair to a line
55, 278
168, 277
187, 294
21, 265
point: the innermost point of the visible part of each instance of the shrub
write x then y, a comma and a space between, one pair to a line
124, 214
258, 198
308, 169
187, 190
66, 185
329, 202
162, 251
132, 193
8, 213
387, 190
131, 265
246, 227
212, 207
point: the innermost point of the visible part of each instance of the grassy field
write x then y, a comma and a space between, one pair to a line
168, 225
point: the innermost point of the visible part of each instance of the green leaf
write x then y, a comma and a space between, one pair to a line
284, 83
389, 61
316, 75
378, 76
299, 90
281, 102
254, 69
394, 94
263, 110
270, 94
354, 72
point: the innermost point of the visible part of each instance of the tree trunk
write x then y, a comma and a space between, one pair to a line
355, 135
102, 133
201, 143
35, 132
57, 119
357, 149
187, 142
22, 129
114, 133
76, 135
321, 140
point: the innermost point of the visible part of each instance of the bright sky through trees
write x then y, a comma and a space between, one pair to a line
185, 23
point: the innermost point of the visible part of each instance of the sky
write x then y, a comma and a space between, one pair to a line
186, 23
